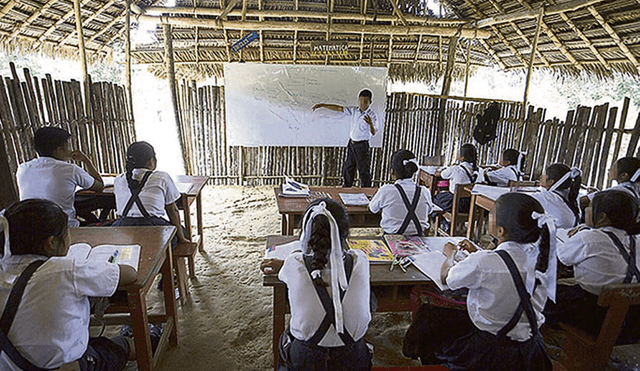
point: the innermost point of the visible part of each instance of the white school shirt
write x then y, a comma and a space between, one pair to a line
493, 298
457, 175
595, 259
53, 180
51, 326
358, 128
554, 204
307, 311
158, 191
502, 176
629, 187
394, 211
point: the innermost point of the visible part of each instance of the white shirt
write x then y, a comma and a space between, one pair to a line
394, 211
595, 259
158, 191
631, 188
307, 312
554, 204
53, 180
358, 127
502, 176
493, 298
51, 326
457, 175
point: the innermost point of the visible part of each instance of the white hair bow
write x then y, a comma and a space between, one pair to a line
405, 162
552, 266
573, 173
338, 274
520, 159
4, 224
635, 176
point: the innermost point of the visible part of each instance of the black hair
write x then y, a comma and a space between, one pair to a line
511, 156
138, 155
366, 93
31, 222
320, 238
397, 164
469, 154
555, 172
47, 139
513, 213
627, 165
620, 207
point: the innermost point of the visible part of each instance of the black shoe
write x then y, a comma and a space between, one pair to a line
155, 333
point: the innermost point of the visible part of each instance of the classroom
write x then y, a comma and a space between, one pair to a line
299, 185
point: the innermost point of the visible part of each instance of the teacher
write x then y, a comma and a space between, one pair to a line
363, 125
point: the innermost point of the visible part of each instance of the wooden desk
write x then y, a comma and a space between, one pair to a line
292, 208
392, 290
155, 257
428, 180
479, 203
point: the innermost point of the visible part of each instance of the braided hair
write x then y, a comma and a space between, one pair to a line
138, 155
555, 172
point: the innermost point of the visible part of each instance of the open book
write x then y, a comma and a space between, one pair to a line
356, 199
291, 188
430, 263
118, 254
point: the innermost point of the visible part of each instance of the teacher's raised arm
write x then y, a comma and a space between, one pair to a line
333, 107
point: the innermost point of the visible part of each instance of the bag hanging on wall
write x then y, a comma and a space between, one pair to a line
485, 130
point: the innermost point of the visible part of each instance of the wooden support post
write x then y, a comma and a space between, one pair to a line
171, 76
531, 58
466, 76
446, 87
127, 41
83, 57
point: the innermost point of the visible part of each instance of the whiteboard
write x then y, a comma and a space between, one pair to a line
270, 104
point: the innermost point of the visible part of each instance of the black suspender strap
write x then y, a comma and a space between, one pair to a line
577, 217
525, 298
472, 177
629, 258
135, 197
9, 314
411, 210
632, 190
327, 304
518, 176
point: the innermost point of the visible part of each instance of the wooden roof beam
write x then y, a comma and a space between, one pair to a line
614, 35
227, 9
107, 28
32, 18
60, 21
88, 20
586, 40
8, 6
530, 13
316, 27
377, 61
394, 4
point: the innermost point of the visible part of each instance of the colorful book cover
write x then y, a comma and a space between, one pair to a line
403, 246
376, 250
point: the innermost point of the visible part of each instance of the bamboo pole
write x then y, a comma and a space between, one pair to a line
446, 86
83, 56
127, 46
526, 14
531, 59
171, 77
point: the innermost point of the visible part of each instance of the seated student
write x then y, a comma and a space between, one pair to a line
51, 177
328, 287
405, 206
143, 195
626, 172
559, 195
510, 169
507, 290
464, 173
50, 324
606, 254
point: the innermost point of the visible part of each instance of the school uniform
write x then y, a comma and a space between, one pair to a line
502, 338
557, 205
358, 152
51, 325
502, 176
312, 342
396, 218
53, 180
459, 174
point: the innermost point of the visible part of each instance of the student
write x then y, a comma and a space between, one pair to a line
508, 288
363, 124
626, 172
466, 172
559, 196
405, 206
51, 177
328, 287
50, 326
606, 254
143, 194
510, 168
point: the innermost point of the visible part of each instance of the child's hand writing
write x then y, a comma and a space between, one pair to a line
449, 250
271, 266
468, 246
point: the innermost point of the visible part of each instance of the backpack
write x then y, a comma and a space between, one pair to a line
485, 130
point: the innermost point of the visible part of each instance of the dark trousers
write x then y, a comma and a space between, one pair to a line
105, 354
358, 157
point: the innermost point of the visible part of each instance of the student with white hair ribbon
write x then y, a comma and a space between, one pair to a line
328, 288
559, 194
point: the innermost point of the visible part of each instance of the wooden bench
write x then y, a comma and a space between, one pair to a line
455, 218
523, 183
181, 252
586, 352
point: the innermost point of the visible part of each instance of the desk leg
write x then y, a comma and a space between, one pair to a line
139, 324
283, 228
472, 218
168, 289
290, 225
200, 225
187, 216
279, 308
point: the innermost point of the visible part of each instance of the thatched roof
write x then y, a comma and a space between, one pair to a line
411, 37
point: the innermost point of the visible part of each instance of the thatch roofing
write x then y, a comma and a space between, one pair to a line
411, 37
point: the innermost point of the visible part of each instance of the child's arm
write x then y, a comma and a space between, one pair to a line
271, 266
174, 218
128, 275
449, 251
333, 107
369, 121
98, 185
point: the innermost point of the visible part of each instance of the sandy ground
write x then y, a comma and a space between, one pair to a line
227, 322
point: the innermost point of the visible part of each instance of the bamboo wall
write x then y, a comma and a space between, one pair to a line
102, 132
590, 138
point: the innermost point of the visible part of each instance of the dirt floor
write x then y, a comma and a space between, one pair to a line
227, 322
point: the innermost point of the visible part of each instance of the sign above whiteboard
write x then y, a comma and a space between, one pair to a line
270, 104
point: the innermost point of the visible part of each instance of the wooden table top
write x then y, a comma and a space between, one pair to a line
153, 241
380, 273
195, 182
297, 205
